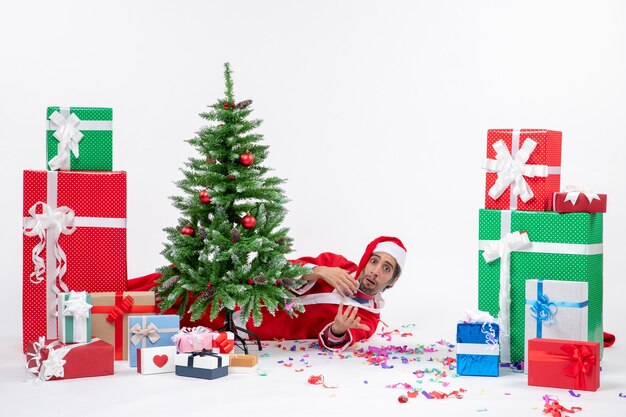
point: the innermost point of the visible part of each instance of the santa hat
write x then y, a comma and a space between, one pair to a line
390, 245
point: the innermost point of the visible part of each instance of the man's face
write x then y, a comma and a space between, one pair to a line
377, 274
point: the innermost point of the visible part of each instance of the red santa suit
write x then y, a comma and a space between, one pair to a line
321, 302
319, 299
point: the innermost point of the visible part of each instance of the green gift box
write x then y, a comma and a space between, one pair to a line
79, 138
523, 245
74, 317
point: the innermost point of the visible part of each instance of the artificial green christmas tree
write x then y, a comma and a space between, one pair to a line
229, 248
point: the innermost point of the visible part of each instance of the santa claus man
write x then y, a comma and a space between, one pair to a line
342, 300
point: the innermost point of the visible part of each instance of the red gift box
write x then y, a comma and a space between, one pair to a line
51, 360
74, 239
567, 364
526, 161
578, 200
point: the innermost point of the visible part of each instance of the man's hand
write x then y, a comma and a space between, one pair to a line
347, 319
339, 279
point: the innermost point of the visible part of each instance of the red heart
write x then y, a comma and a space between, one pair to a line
160, 360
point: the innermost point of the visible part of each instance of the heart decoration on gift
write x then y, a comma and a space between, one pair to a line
160, 360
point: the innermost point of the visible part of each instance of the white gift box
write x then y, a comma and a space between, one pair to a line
555, 310
156, 360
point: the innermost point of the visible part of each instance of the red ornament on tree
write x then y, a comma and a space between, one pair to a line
250, 282
248, 221
246, 159
188, 230
209, 285
230, 177
204, 197
228, 106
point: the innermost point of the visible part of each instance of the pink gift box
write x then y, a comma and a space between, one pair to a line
193, 339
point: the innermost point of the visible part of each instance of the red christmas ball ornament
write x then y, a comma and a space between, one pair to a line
188, 230
246, 159
250, 282
209, 285
204, 197
248, 221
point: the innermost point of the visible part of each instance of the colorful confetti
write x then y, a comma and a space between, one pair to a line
622, 395
573, 394
555, 409
402, 399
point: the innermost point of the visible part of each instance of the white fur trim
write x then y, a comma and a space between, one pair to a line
394, 250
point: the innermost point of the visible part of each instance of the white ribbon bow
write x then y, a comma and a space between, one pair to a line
198, 334
513, 170
68, 135
479, 316
573, 191
52, 366
151, 332
503, 247
54, 221
76, 305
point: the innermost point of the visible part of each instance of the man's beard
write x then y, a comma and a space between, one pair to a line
365, 290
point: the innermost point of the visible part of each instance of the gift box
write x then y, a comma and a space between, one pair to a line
79, 138
556, 310
74, 239
156, 360
576, 200
110, 313
223, 342
523, 169
243, 364
74, 321
204, 364
477, 349
150, 331
193, 339
564, 364
559, 247
51, 359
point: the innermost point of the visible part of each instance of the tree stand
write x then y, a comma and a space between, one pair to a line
230, 326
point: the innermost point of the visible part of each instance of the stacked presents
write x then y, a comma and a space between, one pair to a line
540, 261
77, 316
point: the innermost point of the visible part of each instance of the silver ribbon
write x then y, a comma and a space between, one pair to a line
151, 331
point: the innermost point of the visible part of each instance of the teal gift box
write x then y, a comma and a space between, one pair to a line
74, 317
150, 331
79, 138
558, 246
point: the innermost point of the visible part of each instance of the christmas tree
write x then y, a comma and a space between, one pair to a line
229, 247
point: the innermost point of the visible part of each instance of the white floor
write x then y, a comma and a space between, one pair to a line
282, 388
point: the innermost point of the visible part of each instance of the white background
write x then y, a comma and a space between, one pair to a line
375, 112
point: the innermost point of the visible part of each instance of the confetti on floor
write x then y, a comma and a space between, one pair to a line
573, 394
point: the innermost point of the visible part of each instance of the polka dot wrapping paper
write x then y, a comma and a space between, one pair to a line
547, 152
93, 127
94, 255
565, 247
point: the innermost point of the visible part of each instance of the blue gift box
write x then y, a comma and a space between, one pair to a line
150, 331
478, 349
204, 364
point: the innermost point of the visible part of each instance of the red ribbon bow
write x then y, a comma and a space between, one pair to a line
582, 361
121, 309
226, 345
